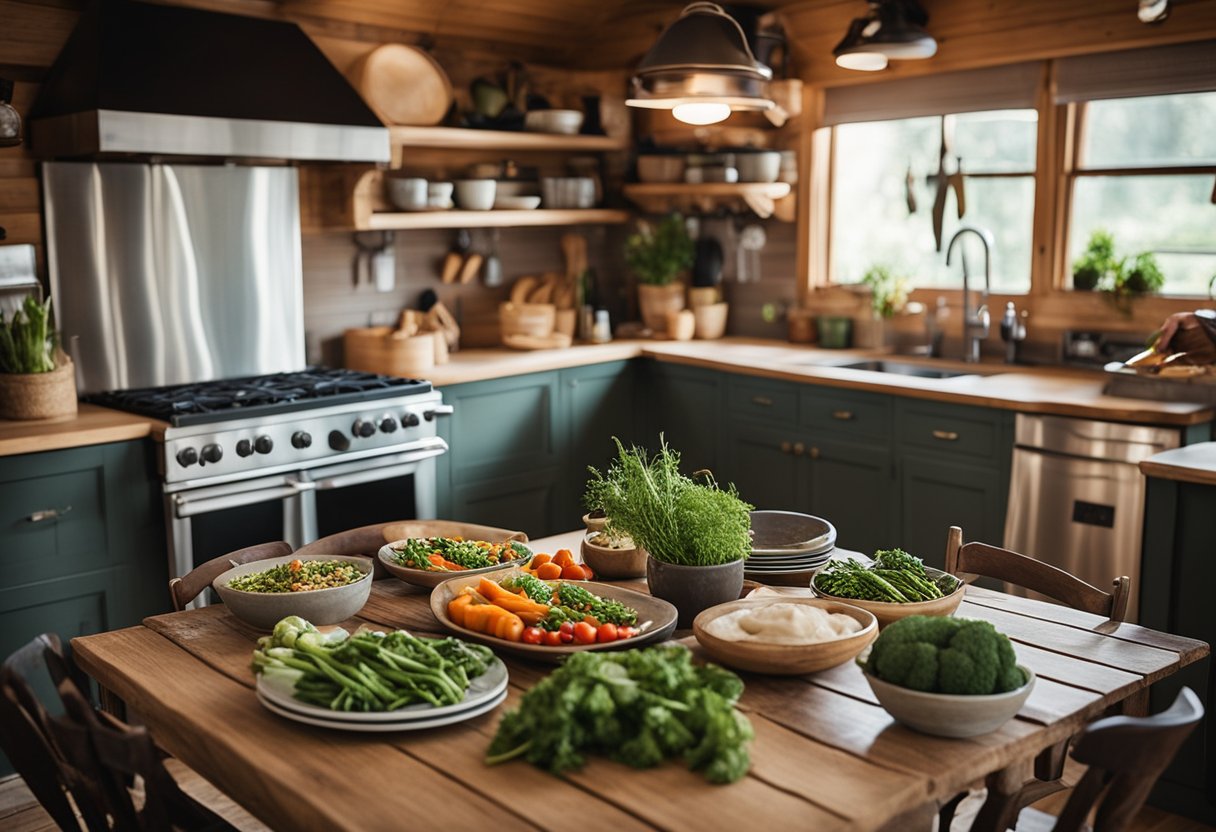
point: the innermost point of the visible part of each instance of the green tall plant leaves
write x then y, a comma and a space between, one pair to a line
27, 343
657, 254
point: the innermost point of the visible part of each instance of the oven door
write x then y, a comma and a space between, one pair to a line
284, 506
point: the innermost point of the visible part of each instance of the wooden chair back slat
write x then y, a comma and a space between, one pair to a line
1035, 575
1125, 756
185, 589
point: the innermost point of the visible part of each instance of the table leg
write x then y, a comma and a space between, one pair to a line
1000, 810
110, 703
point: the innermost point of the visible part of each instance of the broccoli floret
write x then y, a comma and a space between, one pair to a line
945, 655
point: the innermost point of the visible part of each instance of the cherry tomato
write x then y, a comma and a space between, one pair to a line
549, 572
533, 635
566, 631
625, 631
584, 633
563, 558
573, 572
588, 575
553, 638
605, 633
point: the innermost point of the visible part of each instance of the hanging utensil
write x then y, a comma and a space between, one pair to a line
491, 270
751, 242
455, 258
956, 185
943, 182
910, 190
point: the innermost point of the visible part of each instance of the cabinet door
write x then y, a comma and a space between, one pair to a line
939, 494
851, 485
502, 427
525, 503
687, 410
760, 461
597, 405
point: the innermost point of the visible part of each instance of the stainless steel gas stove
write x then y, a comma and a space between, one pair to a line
285, 437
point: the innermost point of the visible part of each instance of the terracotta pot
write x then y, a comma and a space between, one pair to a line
656, 302
692, 589
594, 524
39, 395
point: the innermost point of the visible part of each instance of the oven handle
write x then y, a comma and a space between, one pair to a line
384, 472
186, 506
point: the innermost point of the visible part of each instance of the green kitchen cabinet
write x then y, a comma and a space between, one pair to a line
685, 405
597, 403
851, 485
527, 502
760, 461
936, 494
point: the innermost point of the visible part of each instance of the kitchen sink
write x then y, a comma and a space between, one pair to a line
901, 369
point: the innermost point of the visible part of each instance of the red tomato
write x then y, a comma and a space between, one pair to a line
606, 632
566, 631
584, 633
625, 631
553, 638
533, 635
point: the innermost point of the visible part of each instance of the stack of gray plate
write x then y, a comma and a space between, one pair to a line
788, 547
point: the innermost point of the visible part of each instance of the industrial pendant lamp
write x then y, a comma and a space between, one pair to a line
893, 29
701, 69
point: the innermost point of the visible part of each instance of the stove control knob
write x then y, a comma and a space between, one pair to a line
388, 424
301, 439
363, 429
338, 440
212, 453
410, 420
187, 457
263, 444
244, 448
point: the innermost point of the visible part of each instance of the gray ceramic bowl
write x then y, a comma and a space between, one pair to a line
320, 606
951, 715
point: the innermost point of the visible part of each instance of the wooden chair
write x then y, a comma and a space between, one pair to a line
1125, 756
185, 589
45, 752
1035, 575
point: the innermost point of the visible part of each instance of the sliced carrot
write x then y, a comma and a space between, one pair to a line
457, 606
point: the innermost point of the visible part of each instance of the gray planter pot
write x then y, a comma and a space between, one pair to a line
694, 588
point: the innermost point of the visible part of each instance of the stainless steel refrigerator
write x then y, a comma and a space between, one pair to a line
172, 273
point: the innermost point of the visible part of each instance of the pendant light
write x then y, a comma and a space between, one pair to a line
701, 69
892, 30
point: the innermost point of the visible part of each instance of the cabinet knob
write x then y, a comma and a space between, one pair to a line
763, 401
786, 447
48, 514
843, 415
945, 435
799, 449
814, 453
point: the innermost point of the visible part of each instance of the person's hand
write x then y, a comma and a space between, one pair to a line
1174, 323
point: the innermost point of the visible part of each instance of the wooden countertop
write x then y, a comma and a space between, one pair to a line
1194, 463
92, 425
1051, 390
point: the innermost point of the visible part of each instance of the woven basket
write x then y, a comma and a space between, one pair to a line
39, 395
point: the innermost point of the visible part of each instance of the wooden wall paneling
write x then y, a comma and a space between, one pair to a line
1043, 234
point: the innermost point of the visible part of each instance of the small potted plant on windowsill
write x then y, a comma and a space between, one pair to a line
697, 534
37, 380
1142, 276
1096, 264
658, 256
888, 298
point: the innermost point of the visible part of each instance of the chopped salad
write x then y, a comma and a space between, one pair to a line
455, 554
300, 576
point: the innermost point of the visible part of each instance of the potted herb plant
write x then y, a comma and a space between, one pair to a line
888, 297
37, 380
658, 255
696, 533
1096, 263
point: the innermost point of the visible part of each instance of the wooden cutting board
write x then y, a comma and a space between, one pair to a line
403, 84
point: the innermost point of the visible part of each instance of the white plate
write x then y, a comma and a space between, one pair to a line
784, 567
383, 727
483, 688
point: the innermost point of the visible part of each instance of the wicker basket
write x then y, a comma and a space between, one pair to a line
536, 320
39, 395
379, 349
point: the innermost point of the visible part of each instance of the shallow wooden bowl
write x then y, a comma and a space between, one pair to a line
785, 659
614, 564
887, 612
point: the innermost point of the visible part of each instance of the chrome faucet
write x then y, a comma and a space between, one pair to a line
976, 323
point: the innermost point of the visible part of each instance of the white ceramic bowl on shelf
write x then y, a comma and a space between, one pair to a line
476, 194
564, 122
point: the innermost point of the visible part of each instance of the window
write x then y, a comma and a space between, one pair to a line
875, 165
1146, 172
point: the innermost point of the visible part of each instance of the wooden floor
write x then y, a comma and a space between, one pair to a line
20, 812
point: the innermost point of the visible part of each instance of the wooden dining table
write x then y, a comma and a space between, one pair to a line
826, 756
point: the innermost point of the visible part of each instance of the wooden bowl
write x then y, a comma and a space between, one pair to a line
614, 564
887, 612
785, 659
947, 714
537, 320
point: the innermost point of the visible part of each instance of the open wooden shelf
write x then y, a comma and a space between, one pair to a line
399, 221
659, 197
467, 138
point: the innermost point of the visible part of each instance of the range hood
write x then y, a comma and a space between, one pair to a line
147, 79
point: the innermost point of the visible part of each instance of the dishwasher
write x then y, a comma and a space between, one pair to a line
1076, 497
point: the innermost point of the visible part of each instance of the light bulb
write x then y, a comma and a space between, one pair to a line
863, 61
702, 112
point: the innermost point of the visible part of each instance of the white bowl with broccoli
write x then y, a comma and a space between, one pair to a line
951, 677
